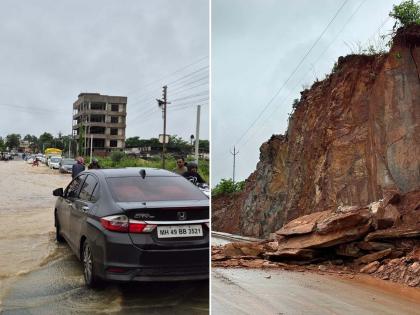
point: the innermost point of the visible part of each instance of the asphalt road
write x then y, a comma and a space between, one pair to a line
269, 291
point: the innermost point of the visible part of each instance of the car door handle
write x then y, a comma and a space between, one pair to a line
85, 208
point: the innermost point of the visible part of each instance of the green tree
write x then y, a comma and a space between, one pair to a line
406, 13
178, 144
204, 145
2, 144
45, 140
13, 141
227, 186
132, 142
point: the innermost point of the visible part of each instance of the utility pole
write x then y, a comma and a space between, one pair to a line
162, 104
91, 148
234, 153
197, 133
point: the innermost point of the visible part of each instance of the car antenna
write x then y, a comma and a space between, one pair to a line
143, 173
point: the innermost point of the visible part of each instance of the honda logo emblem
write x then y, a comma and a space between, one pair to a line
182, 215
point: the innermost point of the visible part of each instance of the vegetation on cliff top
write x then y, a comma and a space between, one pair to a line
227, 186
406, 13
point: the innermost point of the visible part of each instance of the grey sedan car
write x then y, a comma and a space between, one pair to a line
135, 225
66, 165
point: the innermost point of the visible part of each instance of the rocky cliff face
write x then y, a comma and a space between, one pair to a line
352, 136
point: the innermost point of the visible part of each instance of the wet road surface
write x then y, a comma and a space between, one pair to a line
268, 291
39, 276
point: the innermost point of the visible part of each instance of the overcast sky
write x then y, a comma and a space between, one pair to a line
53, 50
257, 45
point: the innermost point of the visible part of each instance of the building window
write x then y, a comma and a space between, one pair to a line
113, 143
114, 132
97, 130
114, 107
97, 118
114, 119
97, 106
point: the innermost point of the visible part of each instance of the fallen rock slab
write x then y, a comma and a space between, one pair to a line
372, 257
386, 217
374, 246
370, 268
292, 253
392, 233
343, 220
237, 249
316, 240
303, 225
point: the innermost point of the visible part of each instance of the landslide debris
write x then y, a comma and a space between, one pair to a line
344, 240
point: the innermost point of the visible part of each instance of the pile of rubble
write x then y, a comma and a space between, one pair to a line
381, 239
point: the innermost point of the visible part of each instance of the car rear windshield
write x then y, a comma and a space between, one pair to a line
137, 189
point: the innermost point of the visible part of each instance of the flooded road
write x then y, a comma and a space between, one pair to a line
273, 291
39, 276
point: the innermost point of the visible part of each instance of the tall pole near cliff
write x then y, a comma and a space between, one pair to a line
234, 153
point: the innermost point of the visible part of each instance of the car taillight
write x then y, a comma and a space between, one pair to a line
121, 223
118, 223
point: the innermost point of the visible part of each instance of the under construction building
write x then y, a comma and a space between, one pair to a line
99, 120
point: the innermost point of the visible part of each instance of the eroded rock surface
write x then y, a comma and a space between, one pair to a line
352, 140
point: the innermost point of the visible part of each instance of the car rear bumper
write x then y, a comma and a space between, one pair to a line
132, 263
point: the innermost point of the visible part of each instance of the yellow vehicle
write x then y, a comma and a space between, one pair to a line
52, 151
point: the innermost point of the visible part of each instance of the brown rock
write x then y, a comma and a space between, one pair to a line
391, 196
237, 249
414, 283
370, 268
348, 250
415, 268
302, 225
381, 268
372, 257
343, 220
415, 254
396, 254
392, 233
231, 251
374, 246
254, 263
315, 240
252, 250
218, 257
292, 253
271, 246
386, 217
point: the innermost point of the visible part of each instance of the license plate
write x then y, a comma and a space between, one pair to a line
170, 231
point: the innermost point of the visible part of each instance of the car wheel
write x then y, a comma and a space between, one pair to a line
58, 236
91, 279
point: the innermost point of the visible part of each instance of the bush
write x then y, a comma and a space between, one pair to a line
227, 186
406, 13
117, 156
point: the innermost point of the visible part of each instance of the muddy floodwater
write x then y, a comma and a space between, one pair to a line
39, 276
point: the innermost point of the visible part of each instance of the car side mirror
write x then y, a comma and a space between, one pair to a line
58, 192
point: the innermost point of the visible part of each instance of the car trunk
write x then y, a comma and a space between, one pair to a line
189, 216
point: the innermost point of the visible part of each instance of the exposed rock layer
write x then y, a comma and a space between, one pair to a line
353, 137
